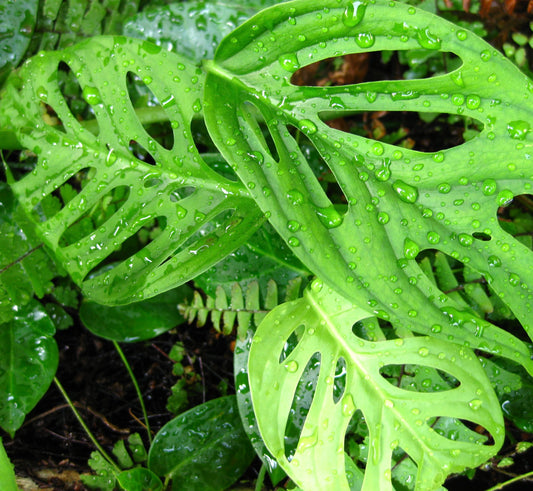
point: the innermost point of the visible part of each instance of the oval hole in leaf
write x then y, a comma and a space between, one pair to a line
373, 66
181, 193
339, 383
482, 236
301, 403
460, 430
291, 343
52, 203
264, 127
143, 233
141, 96
407, 129
140, 153
78, 100
96, 216
418, 378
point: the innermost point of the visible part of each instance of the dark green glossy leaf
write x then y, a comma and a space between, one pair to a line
17, 21
264, 257
138, 321
139, 479
203, 449
192, 29
28, 363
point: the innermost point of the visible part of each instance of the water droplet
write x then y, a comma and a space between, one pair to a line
377, 149
289, 62
91, 95
293, 241
489, 187
410, 249
485, 55
365, 39
406, 192
293, 225
329, 217
494, 261
466, 240
295, 197
433, 237
348, 406
514, 279
291, 366
475, 404
423, 352
307, 127
427, 40
473, 101
461, 35
504, 197
444, 188
353, 14
383, 218
518, 129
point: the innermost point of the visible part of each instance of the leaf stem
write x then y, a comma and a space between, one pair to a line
260, 478
84, 426
137, 389
510, 481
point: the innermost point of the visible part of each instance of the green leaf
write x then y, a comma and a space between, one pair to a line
28, 363
202, 215
7, 473
399, 201
135, 322
25, 268
17, 21
105, 478
139, 479
203, 449
396, 418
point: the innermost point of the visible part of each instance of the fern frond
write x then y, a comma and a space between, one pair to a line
242, 309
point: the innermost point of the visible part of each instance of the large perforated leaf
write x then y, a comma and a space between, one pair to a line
394, 202
397, 418
202, 215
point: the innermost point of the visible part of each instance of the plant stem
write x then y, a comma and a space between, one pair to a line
510, 481
260, 478
7, 475
137, 389
84, 426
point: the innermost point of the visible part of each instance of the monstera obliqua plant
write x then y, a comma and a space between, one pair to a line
325, 355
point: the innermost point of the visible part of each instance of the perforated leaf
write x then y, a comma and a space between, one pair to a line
394, 202
202, 215
396, 417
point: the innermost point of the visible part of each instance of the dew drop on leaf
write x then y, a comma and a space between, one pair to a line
406, 192
353, 14
91, 95
365, 40
289, 62
504, 197
291, 366
489, 187
293, 225
465, 240
427, 40
475, 404
329, 217
295, 197
307, 127
410, 249
348, 406
494, 261
518, 129
383, 218
423, 352
433, 237
514, 279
